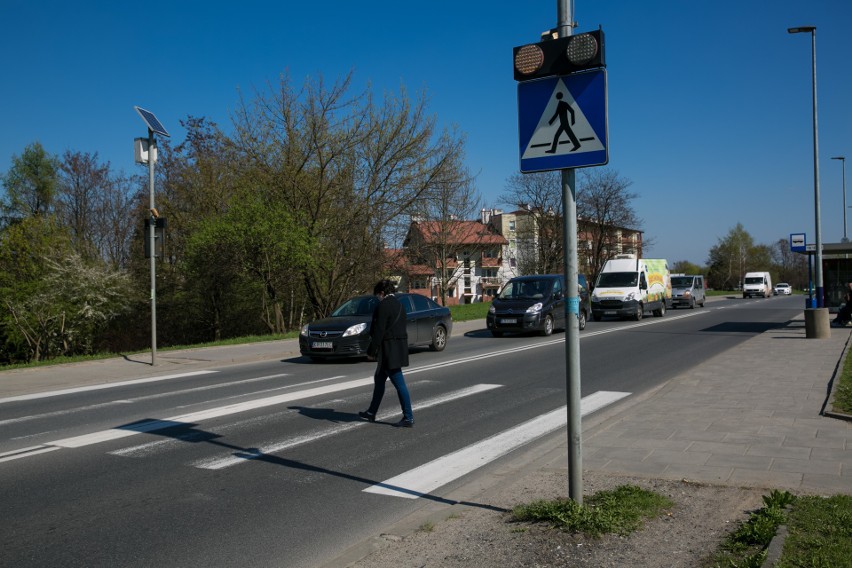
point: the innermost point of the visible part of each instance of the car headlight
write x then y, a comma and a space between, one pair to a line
491, 310
535, 308
355, 329
687, 294
304, 332
629, 296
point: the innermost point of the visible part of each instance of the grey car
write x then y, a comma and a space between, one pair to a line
535, 303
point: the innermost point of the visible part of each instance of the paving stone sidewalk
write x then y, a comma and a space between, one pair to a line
751, 416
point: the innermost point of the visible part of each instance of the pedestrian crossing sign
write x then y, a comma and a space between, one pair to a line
562, 122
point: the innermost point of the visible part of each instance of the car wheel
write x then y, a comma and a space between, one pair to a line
581, 320
439, 338
547, 329
639, 312
692, 304
496, 333
662, 311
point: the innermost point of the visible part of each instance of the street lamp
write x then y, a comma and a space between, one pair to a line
843, 163
820, 302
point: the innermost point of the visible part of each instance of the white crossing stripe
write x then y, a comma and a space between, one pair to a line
428, 477
195, 417
37, 395
235, 459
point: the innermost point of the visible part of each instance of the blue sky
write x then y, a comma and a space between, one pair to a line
709, 102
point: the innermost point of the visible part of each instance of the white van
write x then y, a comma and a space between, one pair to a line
627, 287
757, 284
688, 290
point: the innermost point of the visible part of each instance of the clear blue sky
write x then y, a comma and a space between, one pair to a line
709, 102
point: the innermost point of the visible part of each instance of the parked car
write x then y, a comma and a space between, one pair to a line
346, 333
782, 288
535, 303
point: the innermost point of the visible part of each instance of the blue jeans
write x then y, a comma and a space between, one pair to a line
398, 381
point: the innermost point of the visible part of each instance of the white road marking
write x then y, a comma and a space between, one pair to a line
195, 417
25, 452
46, 394
234, 459
428, 477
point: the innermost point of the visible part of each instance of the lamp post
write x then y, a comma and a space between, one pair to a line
820, 302
843, 164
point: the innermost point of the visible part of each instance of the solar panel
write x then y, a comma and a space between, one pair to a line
154, 125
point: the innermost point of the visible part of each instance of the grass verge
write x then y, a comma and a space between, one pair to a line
619, 511
843, 393
819, 533
746, 546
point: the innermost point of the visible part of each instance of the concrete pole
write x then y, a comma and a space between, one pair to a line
572, 302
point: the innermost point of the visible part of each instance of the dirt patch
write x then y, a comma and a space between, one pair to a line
686, 536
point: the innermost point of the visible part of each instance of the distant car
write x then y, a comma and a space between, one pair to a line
346, 333
535, 303
783, 288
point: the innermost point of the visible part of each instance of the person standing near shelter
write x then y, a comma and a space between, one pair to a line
844, 315
389, 346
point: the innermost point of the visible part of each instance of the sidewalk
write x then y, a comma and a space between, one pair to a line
751, 416
748, 417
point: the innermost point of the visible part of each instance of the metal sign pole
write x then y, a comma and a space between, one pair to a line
572, 303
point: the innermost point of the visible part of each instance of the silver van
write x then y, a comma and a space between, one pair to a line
687, 290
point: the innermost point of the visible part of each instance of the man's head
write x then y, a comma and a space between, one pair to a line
384, 288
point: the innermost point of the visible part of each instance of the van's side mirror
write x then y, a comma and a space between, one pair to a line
557, 295
643, 285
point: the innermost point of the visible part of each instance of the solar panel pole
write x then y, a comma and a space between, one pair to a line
152, 149
154, 126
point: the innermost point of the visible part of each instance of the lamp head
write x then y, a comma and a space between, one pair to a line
801, 29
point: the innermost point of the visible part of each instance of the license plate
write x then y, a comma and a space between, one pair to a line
609, 313
321, 345
508, 321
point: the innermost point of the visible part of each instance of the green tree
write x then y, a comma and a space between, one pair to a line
262, 240
30, 184
686, 267
733, 256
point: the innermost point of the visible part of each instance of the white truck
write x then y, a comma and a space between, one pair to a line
629, 287
757, 284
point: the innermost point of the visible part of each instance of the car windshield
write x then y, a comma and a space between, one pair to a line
526, 289
782, 285
754, 280
361, 306
681, 281
618, 279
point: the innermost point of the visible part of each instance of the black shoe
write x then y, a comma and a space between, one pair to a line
404, 423
368, 416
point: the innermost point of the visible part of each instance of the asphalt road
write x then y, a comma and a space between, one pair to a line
268, 464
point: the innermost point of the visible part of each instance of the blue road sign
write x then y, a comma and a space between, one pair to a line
562, 122
798, 242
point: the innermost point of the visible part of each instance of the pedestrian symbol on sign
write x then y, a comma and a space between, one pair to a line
562, 111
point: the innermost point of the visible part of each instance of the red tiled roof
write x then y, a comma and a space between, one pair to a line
458, 232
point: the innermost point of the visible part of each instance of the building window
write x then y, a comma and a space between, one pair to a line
511, 225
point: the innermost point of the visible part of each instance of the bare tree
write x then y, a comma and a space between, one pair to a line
605, 213
346, 166
538, 198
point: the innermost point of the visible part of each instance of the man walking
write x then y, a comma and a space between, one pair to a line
389, 346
